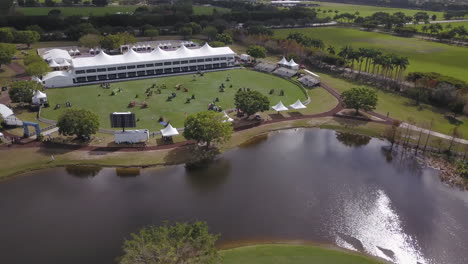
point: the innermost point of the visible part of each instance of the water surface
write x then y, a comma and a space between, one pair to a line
302, 184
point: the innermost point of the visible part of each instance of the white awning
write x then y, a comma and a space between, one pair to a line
292, 63
311, 73
283, 61
38, 94
169, 131
280, 107
298, 105
5, 111
53, 64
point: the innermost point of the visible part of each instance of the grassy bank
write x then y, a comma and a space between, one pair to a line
425, 56
292, 254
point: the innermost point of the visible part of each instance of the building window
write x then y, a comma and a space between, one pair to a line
122, 75
140, 66
193, 61
200, 60
201, 67
167, 70
158, 64
92, 78
209, 59
101, 70
102, 77
176, 62
150, 65
215, 59
111, 69
160, 71
184, 69
112, 76
223, 64
90, 70
168, 63
183, 62
150, 72
131, 74
131, 67
141, 73
176, 69
193, 68
81, 79
80, 72
121, 68
223, 58
216, 65
208, 66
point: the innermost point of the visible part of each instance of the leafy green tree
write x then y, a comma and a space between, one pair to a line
215, 44
181, 243
79, 122
22, 91
152, 33
225, 38
35, 28
256, 51
360, 98
31, 58
111, 42
7, 51
207, 126
90, 41
100, 2
127, 38
38, 69
185, 32
7, 35
210, 32
251, 102
27, 37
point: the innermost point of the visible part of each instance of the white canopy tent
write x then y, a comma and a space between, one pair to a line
283, 61
39, 98
53, 64
280, 107
298, 105
293, 65
169, 131
227, 118
5, 111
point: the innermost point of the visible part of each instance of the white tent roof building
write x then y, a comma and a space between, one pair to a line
280, 107
283, 62
39, 98
227, 118
104, 68
298, 105
169, 131
293, 65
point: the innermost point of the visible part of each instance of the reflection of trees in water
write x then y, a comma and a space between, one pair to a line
402, 158
127, 172
252, 142
210, 177
83, 171
352, 140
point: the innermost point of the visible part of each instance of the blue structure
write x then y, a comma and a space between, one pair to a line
26, 129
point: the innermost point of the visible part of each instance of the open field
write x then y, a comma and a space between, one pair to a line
77, 11
365, 10
108, 10
291, 254
423, 55
403, 108
205, 89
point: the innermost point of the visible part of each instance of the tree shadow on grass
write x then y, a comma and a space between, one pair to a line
349, 122
295, 114
453, 120
276, 116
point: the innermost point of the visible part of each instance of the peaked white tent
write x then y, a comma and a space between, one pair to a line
71, 52
280, 107
5, 111
53, 64
77, 52
169, 131
283, 61
293, 65
227, 118
298, 105
39, 98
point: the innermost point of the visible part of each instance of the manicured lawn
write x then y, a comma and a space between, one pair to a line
205, 89
291, 254
367, 10
77, 11
402, 108
423, 55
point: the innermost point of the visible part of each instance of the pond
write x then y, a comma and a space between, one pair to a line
302, 184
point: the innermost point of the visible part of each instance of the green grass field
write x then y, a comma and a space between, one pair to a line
423, 55
291, 254
205, 89
108, 10
366, 10
403, 108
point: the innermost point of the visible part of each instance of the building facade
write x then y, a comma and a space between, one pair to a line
69, 71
